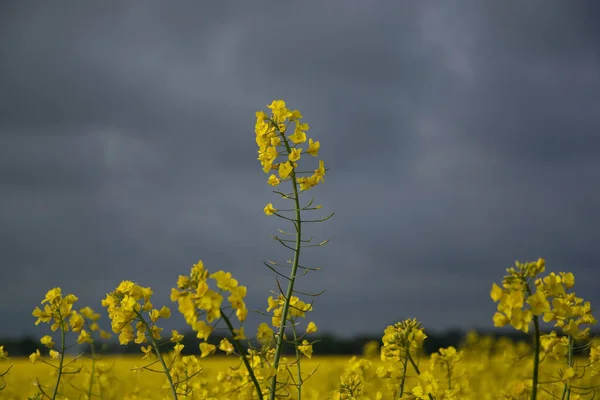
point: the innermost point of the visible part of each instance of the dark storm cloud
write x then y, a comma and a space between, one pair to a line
460, 137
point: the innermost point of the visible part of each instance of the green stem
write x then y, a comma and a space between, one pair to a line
239, 349
536, 358
298, 356
403, 381
157, 351
290, 288
415, 366
567, 390
62, 354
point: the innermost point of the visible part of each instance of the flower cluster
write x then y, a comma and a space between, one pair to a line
196, 299
357, 381
401, 338
298, 308
516, 292
125, 306
271, 134
550, 298
57, 309
568, 311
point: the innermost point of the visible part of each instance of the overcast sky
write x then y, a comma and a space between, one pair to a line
460, 137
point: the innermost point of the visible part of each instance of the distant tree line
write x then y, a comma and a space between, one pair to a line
327, 344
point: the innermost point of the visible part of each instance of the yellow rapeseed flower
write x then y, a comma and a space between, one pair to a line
311, 328
285, 169
47, 341
207, 349
226, 346
306, 348
34, 357
269, 209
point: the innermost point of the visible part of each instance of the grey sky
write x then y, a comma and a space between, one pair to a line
461, 136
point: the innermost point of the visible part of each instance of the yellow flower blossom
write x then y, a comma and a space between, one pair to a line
311, 328
313, 148
226, 346
306, 348
207, 349
269, 209
84, 337
295, 155
34, 357
285, 169
273, 180
47, 341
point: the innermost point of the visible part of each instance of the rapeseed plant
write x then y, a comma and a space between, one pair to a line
550, 298
401, 344
125, 306
484, 368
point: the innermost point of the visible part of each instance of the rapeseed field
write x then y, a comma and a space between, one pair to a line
562, 364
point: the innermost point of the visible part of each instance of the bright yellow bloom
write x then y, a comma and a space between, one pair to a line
76, 322
176, 337
285, 169
42, 316
307, 182
147, 352
126, 287
165, 312
34, 357
203, 330
155, 332
320, 172
177, 349
496, 293
311, 328
241, 313
224, 279
52, 296
239, 334
538, 302
265, 333
280, 112
187, 309
226, 346
298, 136
295, 155
306, 348
154, 315
126, 335
47, 341
500, 320
140, 337
295, 115
84, 337
313, 148
207, 349
568, 279
273, 180
269, 209
55, 355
